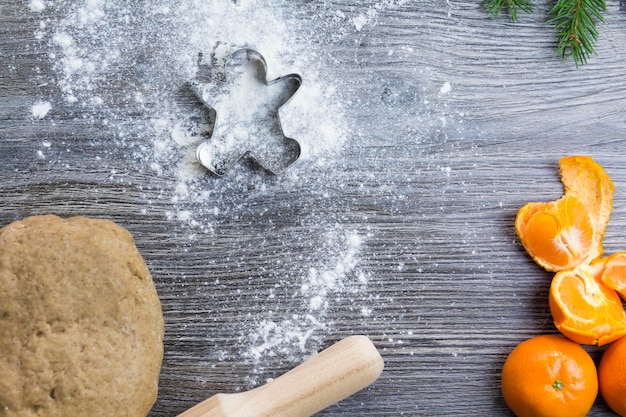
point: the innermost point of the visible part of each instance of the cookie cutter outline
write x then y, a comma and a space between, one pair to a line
252, 54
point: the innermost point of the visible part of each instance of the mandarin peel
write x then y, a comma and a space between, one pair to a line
583, 177
562, 234
557, 235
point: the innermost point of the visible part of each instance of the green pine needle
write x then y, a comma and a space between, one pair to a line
575, 24
494, 7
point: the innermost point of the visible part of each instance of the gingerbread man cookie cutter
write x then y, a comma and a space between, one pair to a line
247, 120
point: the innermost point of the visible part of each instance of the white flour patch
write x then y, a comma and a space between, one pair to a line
37, 5
40, 109
445, 88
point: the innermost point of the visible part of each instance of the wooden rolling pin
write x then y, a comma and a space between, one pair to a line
332, 375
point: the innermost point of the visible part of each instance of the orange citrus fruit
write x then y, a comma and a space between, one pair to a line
612, 376
587, 180
584, 308
558, 235
614, 273
549, 376
562, 234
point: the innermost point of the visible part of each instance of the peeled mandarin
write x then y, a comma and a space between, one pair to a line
584, 308
614, 273
558, 235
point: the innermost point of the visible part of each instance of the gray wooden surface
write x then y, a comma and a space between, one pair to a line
417, 207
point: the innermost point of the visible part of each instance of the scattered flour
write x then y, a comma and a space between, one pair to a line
109, 56
41, 109
445, 88
371, 13
320, 286
37, 5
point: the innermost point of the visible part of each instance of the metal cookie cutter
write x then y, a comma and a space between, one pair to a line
247, 123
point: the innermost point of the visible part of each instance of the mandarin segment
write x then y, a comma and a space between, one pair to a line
584, 309
558, 235
549, 376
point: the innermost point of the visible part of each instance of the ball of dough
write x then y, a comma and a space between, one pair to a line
81, 326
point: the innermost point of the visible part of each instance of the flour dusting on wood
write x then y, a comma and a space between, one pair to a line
108, 56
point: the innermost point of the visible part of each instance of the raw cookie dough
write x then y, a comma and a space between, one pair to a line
81, 326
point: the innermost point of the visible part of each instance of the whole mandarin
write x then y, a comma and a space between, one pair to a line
549, 376
612, 376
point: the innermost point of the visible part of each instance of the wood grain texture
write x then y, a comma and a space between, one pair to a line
431, 182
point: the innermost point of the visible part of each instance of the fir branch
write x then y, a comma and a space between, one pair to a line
494, 7
575, 24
